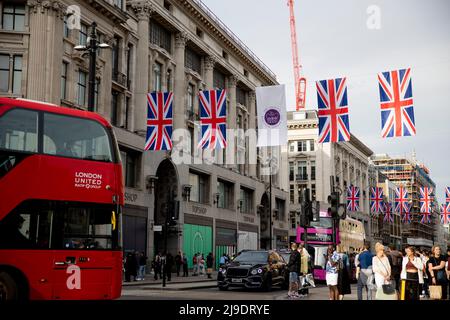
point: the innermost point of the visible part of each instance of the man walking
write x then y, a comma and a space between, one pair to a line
294, 271
364, 272
185, 265
178, 263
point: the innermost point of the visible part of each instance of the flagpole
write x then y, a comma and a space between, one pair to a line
270, 203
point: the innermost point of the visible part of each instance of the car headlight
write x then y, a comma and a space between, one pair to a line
260, 270
254, 271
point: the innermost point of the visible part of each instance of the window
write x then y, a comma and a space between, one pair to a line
18, 130
13, 17
218, 79
301, 171
292, 193
313, 170
76, 138
66, 30
38, 224
291, 171
190, 101
300, 189
114, 107
246, 200
292, 147
200, 188
115, 58
311, 145
157, 76
279, 205
17, 74
130, 163
4, 72
293, 220
192, 60
241, 96
127, 110
301, 146
129, 57
64, 80
192, 146
83, 35
226, 191
82, 84
160, 36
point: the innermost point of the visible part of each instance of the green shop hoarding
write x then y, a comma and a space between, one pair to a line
196, 239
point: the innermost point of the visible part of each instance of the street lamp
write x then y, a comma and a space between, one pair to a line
92, 46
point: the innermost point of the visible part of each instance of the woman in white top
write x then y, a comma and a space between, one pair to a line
412, 272
381, 266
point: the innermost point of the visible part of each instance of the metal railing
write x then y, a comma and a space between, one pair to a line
235, 38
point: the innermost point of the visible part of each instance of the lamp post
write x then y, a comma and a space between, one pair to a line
92, 46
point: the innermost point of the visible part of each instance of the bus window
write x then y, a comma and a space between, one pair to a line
18, 130
39, 224
76, 138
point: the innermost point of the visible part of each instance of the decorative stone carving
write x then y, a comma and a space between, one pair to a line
43, 6
180, 39
251, 96
232, 80
141, 8
210, 61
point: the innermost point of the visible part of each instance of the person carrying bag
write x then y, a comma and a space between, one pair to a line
383, 275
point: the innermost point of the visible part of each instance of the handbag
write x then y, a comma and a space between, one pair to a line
388, 288
307, 281
435, 292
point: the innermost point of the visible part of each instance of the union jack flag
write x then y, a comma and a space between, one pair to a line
445, 213
159, 121
426, 199
447, 195
388, 217
397, 111
376, 200
333, 110
213, 119
402, 204
353, 198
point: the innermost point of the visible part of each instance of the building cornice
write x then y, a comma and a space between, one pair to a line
194, 8
108, 10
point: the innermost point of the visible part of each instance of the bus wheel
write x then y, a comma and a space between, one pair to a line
8, 288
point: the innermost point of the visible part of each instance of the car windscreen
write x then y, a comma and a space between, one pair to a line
252, 256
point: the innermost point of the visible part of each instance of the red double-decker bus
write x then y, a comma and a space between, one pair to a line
61, 193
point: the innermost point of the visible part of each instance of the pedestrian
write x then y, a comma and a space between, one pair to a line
344, 271
412, 273
223, 260
436, 266
364, 272
185, 265
130, 267
294, 271
383, 273
426, 275
395, 258
332, 266
168, 266
304, 267
195, 264
178, 263
157, 266
209, 265
201, 264
142, 266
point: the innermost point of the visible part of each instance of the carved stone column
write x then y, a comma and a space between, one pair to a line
45, 53
252, 126
143, 10
231, 120
179, 87
209, 63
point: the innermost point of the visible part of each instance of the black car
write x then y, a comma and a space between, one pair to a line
259, 269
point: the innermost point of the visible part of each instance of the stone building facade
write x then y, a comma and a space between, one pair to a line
311, 164
156, 45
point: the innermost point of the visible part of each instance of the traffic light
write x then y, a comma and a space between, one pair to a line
333, 200
316, 212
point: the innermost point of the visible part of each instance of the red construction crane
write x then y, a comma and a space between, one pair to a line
300, 82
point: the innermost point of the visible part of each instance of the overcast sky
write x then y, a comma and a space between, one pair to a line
335, 41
